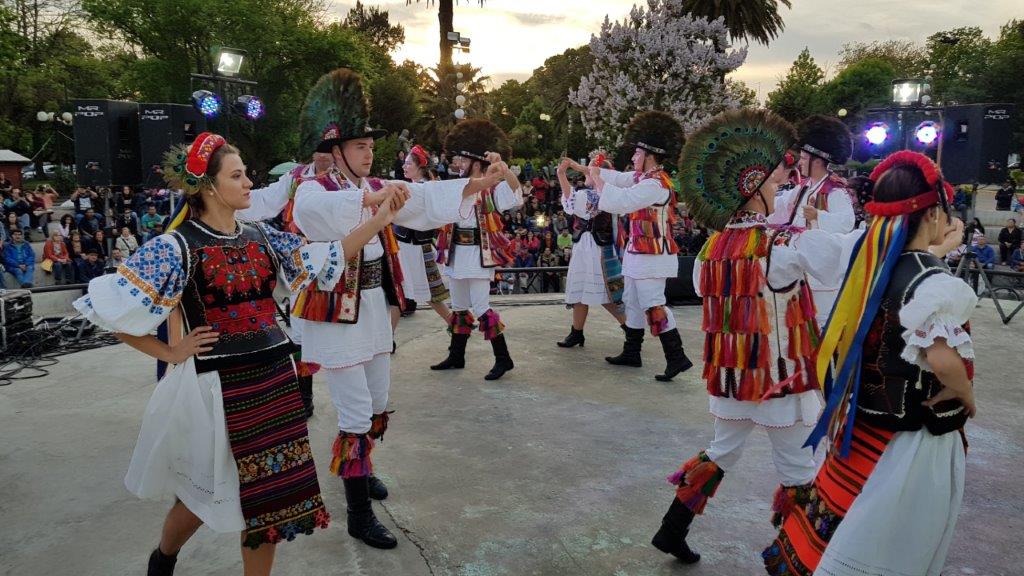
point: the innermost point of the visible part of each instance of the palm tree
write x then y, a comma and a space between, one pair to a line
438, 90
445, 14
757, 20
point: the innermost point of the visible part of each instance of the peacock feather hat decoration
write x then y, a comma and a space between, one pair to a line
184, 166
656, 132
725, 163
826, 137
336, 110
475, 137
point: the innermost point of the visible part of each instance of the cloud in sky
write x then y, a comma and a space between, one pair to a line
510, 38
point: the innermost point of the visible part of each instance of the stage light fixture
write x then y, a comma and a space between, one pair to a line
229, 61
250, 106
877, 133
906, 92
206, 102
927, 132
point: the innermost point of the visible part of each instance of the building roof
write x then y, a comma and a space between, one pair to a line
10, 156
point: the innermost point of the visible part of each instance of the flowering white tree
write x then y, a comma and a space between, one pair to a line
658, 58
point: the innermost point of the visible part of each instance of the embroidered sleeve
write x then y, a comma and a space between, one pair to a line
266, 203
303, 262
625, 199
141, 294
324, 216
799, 253
940, 308
840, 217
505, 198
433, 204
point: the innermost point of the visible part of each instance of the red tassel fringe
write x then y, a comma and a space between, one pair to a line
697, 481
351, 455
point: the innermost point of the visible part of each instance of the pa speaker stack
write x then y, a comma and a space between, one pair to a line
15, 315
121, 143
106, 142
976, 142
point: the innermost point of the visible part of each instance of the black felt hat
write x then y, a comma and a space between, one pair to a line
656, 132
827, 138
475, 137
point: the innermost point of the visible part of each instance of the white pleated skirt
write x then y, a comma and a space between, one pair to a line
414, 272
903, 521
183, 449
584, 283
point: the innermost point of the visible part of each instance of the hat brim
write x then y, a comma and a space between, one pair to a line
648, 148
328, 145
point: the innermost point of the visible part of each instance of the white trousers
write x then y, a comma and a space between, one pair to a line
794, 464
639, 295
473, 294
358, 392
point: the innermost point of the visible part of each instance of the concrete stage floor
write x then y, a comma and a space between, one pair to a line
558, 468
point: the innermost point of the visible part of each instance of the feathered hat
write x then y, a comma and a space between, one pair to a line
724, 163
827, 138
336, 110
656, 132
475, 137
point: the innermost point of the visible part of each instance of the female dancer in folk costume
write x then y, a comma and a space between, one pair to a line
470, 249
886, 499
347, 329
758, 318
595, 271
422, 282
822, 201
648, 197
224, 431
278, 201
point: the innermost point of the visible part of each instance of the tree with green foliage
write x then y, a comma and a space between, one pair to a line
506, 102
798, 94
908, 59
959, 59
394, 98
863, 84
438, 91
757, 20
169, 40
375, 23
1003, 80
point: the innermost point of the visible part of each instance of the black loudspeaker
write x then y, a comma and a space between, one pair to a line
976, 143
106, 142
162, 126
679, 290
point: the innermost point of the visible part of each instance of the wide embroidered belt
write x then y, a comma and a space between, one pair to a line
371, 274
466, 236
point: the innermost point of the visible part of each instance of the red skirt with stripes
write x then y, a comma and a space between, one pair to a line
807, 530
267, 431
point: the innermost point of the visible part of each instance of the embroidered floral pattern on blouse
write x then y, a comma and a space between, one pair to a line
153, 275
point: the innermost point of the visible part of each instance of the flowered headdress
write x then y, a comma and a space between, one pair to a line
185, 169
871, 264
335, 110
421, 156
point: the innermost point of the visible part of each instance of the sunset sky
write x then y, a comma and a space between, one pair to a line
512, 37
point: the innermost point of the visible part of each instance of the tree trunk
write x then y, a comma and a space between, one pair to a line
445, 15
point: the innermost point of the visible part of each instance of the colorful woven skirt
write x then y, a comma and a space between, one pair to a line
277, 478
810, 525
438, 291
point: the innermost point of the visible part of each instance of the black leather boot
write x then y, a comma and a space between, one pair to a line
161, 564
630, 349
502, 359
306, 391
675, 357
362, 523
671, 537
575, 338
456, 354
378, 491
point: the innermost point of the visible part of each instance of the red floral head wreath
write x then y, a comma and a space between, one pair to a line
422, 158
200, 152
185, 166
940, 192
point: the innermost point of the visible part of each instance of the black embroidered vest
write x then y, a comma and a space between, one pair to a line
600, 227
892, 389
229, 287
